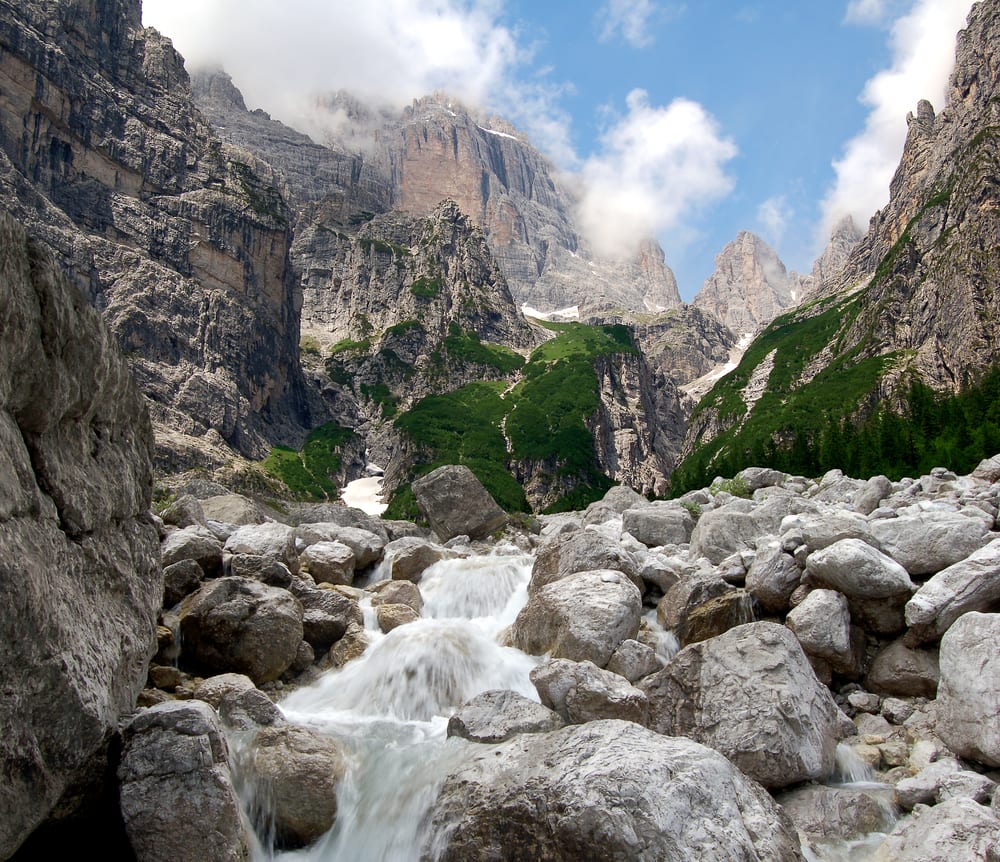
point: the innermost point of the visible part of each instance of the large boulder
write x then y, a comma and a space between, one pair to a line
822, 624
973, 584
455, 503
657, 524
953, 830
721, 531
581, 551
176, 790
581, 691
859, 571
241, 625
904, 671
926, 542
605, 790
751, 694
772, 577
272, 540
296, 772
499, 715
968, 698
582, 617
79, 556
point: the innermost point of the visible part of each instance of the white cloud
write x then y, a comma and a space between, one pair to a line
866, 11
923, 47
656, 166
282, 54
773, 216
628, 18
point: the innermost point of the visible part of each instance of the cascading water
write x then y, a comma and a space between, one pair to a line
389, 708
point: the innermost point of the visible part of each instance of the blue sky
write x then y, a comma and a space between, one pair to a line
686, 121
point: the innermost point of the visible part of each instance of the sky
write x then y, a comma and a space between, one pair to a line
685, 121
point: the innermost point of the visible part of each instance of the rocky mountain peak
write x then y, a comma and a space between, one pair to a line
750, 285
214, 86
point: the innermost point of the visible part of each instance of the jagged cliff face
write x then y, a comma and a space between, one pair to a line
918, 294
750, 286
180, 240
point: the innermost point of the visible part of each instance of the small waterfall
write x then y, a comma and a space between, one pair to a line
851, 769
389, 711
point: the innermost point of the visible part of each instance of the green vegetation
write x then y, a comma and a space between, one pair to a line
309, 472
462, 427
467, 347
346, 344
735, 486
360, 217
403, 327
309, 344
425, 287
382, 395
383, 247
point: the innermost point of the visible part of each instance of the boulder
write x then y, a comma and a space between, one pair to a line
455, 503
721, 531
957, 829
970, 585
392, 616
968, 699
366, 544
757, 701
328, 563
238, 624
180, 580
233, 509
79, 554
296, 771
819, 531
176, 791
581, 691
904, 671
397, 593
582, 617
838, 813
870, 496
264, 569
926, 542
239, 703
822, 624
633, 660
581, 551
658, 524
923, 788
496, 716
185, 511
273, 540
196, 543
859, 571
716, 615
326, 615
772, 577
406, 559
604, 790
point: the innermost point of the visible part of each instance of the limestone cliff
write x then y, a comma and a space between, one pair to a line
750, 286
180, 240
79, 555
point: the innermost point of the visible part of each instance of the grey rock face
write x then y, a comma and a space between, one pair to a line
182, 241
582, 692
607, 789
750, 286
177, 795
580, 551
822, 623
858, 570
926, 543
79, 561
656, 525
455, 503
759, 703
969, 692
900, 670
957, 829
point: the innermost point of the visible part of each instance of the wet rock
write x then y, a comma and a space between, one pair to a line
580, 692
181, 579
968, 700
957, 829
237, 624
496, 716
391, 616
455, 503
397, 593
326, 615
842, 813
260, 568
584, 616
408, 558
715, 616
352, 645
758, 702
176, 790
610, 790
366, 544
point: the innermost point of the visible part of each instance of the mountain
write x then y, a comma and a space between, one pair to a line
435, 149
914, 311
179, 239
749, 287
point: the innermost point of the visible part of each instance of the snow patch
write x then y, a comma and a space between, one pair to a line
498, 134
365, 494
571, 312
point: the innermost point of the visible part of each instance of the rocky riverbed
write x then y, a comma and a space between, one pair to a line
699, 678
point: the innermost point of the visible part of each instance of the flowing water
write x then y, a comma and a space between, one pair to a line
389, 708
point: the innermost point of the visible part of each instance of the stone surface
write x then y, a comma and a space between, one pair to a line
273, 540
633, 660
721, 531
328, 563
659, 524
838, 813
580, 551
177, 796
580, 692
297, 770
605, 790
822, 624
79, 563
903, 671
582, 617
772, 577
969, 692
407, 558
925, 543
496, 716
455, 503
958, 829
758, 702
970, 585
237, 624
856, 569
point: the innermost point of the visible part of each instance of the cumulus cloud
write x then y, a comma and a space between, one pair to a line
655, 166
773, 215
923, 52
627, 18
282, 54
